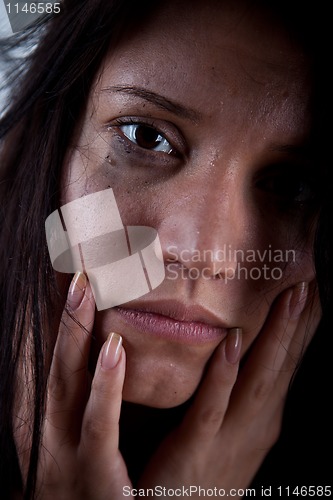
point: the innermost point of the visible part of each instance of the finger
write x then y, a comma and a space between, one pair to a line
68, 377
100, 427
258, 382
305, 330
205, 416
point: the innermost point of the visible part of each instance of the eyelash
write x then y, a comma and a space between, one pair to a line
161, 140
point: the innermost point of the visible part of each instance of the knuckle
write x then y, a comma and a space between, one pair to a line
211, 417
261, 390
94, 430
57, 388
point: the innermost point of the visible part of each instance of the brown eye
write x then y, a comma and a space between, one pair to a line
146, 137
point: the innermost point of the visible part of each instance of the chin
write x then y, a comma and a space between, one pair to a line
159, 386
167, 400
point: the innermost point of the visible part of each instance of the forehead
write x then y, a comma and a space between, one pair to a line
214, 56
206, 30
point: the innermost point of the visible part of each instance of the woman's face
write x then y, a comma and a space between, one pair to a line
199, 121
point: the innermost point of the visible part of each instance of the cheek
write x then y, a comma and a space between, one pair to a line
301, 267
255, 298
139, 201
283, 268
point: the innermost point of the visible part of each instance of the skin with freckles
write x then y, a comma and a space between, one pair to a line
206, 138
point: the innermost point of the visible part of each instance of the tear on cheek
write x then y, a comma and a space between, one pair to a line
110, 161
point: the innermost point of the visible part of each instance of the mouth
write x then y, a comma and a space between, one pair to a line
174, 321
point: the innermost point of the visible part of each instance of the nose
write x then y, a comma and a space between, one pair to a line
206, 227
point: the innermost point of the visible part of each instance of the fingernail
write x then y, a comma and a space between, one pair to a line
233, 345
111, 351
298, 299
77, 289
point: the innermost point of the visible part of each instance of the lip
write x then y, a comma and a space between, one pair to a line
171, 320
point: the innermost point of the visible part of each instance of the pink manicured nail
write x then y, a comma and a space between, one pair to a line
76, 290
233, 345
112, 351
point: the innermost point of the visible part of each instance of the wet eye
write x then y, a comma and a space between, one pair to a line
146, 137
289, 185
295, 190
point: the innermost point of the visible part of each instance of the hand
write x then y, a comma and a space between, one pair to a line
80, 458
236, 417
224, 436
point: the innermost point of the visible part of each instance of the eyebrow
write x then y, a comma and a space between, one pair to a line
158, 100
